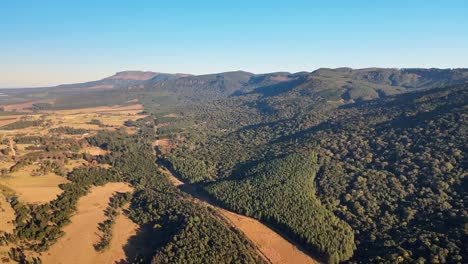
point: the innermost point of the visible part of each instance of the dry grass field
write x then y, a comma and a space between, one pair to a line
7, 215
110, 118
72, 164
95, 151
80, 236
77, 244
25, 106
33, 189
41, 189
271, 245
6, 164
5, 120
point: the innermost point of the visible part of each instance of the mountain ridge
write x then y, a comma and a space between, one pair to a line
341, 85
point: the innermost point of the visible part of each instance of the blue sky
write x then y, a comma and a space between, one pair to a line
52, 42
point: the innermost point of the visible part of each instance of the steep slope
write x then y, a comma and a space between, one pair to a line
164, 92
362, 84
393, 168
281, 192
161, 96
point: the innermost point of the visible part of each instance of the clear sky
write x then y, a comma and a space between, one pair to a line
52, 42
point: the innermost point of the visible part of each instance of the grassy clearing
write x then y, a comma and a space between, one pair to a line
92, 119
33, 189
80, 236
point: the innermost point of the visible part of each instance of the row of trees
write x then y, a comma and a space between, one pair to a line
68, 130
22, 124
117, 201
39, 226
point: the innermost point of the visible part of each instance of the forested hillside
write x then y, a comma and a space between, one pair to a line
168, 92
182, 231
281, 192
392, 169
356, 166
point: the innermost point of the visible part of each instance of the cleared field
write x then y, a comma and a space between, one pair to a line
164, 145
77, 244
25, 106
98, 109
5, 120
123, 230
33, 189
271, 245
95, 151
72, 164
109, 118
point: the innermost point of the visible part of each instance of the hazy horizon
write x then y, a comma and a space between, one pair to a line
49, 43
215, 72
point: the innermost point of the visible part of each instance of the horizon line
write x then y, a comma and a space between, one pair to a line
6, 86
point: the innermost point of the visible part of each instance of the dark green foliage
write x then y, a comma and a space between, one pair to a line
68, 130
281, 192
41, 224
396, 173
184, 229
189, 168
91, 99
392, 169
41, 106
47, 166
22, 124
203, 239
95, 122
18, 255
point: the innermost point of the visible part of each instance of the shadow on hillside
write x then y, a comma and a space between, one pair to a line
142, 246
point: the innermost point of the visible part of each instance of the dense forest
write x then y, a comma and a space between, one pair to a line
22, 124
182, 231
356, 166
392, 169
190, 232
282, 192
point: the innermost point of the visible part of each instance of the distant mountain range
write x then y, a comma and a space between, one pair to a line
122, 79
333, 84
340, 84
